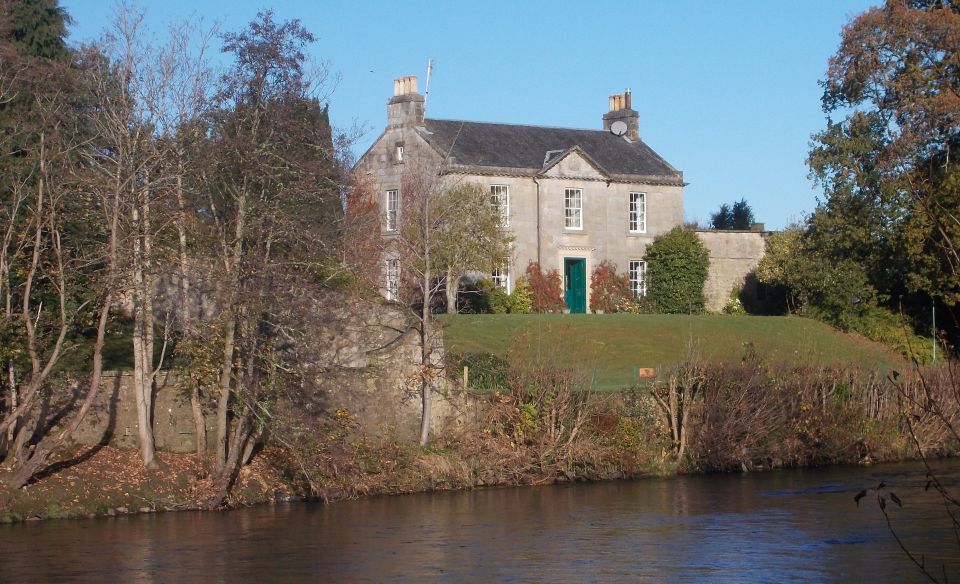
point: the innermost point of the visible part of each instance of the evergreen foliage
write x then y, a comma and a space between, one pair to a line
38, 28
836, 292
736, 217
677, 270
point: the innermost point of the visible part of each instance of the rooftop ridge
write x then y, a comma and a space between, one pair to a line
601, 131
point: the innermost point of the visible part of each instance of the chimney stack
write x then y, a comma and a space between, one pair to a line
621, 109
405, 108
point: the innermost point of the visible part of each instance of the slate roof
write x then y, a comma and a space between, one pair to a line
527, 150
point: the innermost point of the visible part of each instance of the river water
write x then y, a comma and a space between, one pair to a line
796, 526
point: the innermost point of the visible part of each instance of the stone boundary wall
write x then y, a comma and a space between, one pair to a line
383, 404
113, 417
363, 362
734, 256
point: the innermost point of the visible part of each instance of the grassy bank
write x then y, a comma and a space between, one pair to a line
612, 345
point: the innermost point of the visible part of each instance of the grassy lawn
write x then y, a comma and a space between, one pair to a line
611, 345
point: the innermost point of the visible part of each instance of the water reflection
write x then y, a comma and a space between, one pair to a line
798, 526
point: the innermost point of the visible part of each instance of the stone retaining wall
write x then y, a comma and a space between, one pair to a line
734, 256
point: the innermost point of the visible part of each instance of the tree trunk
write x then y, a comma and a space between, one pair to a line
142, 329
16, 448
231, 467
199, 426
49, 445
186, 317
426, 393
223, 404
453, 285
13, 398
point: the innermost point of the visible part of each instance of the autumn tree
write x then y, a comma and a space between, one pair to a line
890, 173
271, 205
481, 242
125, 122
835, 291
887, 161
180, 93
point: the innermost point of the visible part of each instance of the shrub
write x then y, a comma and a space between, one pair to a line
521, 299
885, 326
609, 291
678, 264
546, 289
734, 305
474, 297
487, 372
499, 300
484, 297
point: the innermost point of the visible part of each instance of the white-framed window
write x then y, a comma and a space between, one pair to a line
573, 208
391, 207
638, 213
392, 278
399, 153
638, 277
500, 200
501, 277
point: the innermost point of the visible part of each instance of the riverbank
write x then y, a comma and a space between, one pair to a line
540, 428
112, 482
102, 481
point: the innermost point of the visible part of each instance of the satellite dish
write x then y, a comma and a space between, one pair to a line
618, 128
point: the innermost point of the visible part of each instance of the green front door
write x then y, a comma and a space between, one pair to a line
575, 284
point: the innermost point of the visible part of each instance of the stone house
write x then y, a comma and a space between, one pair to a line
572, 198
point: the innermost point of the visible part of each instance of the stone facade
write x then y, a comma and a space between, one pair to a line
734, 256
537, 166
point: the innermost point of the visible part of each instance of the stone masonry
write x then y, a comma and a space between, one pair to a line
734, 256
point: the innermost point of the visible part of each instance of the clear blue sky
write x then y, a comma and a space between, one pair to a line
727, 91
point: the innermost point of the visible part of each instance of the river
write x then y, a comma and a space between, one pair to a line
793, 525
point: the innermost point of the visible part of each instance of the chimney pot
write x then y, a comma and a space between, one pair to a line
404, 85
405, 108
621, 109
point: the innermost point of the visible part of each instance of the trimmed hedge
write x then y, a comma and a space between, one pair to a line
677, 264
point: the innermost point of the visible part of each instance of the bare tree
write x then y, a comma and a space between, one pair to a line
272, 204
125, 122
65, 265
677, 398
445, 225
188, 98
